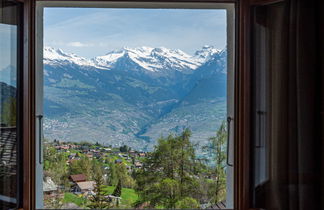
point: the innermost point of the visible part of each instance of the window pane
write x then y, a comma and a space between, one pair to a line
8, 104
145, 122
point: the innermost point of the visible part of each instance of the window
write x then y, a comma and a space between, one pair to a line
10, 70
43, 80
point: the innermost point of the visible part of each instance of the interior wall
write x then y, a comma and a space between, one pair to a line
320, 39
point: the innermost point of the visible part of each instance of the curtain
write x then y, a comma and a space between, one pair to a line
287, 113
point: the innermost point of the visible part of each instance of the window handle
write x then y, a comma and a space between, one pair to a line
229, 120
40, 118
259, 142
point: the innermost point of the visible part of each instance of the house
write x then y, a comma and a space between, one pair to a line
114, 199
49, 187
141, 154
97, 154
62, 147
84, 187
132, 153
85, 148
138, 164
106, 150
78, 178
72, 156
89, 155
118, 161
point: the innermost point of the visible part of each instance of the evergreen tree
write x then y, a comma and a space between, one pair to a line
118, 190
170, 172
98, 200
124, 148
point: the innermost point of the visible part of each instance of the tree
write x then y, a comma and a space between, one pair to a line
82, 166
112, 174
55, 166
187, 203
117, 192
169, 173
124, 148
217, 150
119, 172
9, 115
98, 199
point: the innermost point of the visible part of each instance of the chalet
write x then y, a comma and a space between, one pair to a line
84, 187
78, 178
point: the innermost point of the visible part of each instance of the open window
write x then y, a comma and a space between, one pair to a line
10, 103
178, 102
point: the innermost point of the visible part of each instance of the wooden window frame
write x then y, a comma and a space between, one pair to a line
242, 95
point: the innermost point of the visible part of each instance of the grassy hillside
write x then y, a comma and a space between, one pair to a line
128, 196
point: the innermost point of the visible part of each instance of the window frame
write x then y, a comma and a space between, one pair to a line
241, 172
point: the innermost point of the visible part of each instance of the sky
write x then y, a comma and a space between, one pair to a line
8, 46
91, 32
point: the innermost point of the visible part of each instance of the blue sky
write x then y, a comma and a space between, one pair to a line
92, 32
8, 46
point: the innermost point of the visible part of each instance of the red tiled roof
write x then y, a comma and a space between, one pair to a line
78, 178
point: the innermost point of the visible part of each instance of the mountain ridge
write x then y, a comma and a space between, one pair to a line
149, 58
136, 97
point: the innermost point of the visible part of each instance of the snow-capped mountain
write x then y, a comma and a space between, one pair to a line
54, 56
133, 95
145, 58
206, 53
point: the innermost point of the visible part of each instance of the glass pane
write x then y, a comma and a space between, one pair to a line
8, 104
270, 149
142, 126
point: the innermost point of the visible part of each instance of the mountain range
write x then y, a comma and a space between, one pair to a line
133, 96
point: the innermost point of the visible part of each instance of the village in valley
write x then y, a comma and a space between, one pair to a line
77, 188
93, 176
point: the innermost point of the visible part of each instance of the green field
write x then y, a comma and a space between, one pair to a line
128, 196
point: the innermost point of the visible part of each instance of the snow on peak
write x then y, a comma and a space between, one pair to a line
206, 53
58, 56
151, 59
